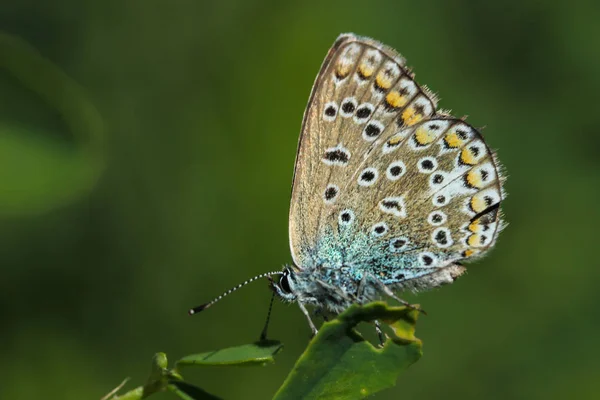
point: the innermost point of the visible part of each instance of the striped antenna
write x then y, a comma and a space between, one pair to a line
203, 307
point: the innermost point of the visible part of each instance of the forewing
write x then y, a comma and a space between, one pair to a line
343, 119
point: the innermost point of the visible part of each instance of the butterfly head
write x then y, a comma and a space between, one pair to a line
285, 287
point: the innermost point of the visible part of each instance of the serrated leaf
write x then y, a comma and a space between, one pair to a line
340, 364
188, 391
250, 354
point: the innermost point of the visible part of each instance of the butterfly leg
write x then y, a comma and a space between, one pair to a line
307, 315
362, 286
388, 292
379, 333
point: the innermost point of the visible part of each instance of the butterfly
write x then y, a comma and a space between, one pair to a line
389, 193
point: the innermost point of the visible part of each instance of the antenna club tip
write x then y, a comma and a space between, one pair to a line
203, 307
196, 310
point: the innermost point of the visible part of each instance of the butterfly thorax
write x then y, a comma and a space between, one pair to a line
326, 288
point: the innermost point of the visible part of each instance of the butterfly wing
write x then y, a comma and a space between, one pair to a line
329, 147
384, 184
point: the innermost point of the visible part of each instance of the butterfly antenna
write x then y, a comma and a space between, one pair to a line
203, 307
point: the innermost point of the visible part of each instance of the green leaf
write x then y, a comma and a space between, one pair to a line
38, 171
187, 391
340, 364
250, 354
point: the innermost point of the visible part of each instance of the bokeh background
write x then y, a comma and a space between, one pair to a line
202, 104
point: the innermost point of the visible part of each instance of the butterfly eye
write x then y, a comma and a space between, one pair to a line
284, 285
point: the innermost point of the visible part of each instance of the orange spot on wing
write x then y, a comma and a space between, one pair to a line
383, 81
411, 117
395, 140
467, 156
475, 226
452, 140
342, 70
424, 136
473, 240
394, 99
478, 204
474, 179
366, 70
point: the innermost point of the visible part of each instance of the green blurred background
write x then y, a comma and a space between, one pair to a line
202, 104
